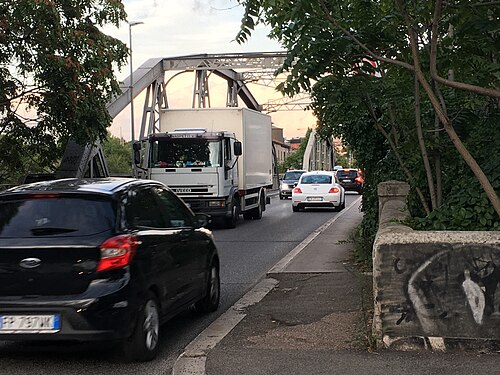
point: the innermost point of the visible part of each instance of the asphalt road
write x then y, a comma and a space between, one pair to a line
247, 253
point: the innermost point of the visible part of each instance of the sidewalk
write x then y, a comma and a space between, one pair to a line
316, 320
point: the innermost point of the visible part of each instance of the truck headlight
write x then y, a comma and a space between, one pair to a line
216, 203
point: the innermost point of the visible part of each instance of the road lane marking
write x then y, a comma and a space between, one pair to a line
281, 265
192, 360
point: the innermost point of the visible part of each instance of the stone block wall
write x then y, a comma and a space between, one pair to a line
432, 287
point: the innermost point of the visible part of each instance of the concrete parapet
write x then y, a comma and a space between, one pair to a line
433, 288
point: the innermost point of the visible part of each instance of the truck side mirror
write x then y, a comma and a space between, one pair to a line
237, 148
136, 146
137, 157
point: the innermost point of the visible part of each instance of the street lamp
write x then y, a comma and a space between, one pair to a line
131, 89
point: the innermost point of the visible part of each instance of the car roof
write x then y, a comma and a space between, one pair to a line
107, 186
312, 173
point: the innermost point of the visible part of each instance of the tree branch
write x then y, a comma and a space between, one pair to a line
448, 126
337, 25
433, 62
405, 169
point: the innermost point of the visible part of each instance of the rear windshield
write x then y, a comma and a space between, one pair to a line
56, 216
347, 173
292, 175
317, 179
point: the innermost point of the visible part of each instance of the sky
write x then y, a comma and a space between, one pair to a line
177, 28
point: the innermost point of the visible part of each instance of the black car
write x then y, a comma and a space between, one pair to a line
351, 179
101, 259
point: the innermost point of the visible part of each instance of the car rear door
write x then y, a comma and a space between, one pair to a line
154, 263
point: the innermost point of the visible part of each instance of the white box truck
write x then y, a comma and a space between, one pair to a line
218, 160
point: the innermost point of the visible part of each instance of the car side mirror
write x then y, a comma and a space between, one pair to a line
201, 220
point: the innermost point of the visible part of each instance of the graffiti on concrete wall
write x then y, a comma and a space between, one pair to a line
441, 290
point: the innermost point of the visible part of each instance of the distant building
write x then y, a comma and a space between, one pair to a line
281, 149
295, 143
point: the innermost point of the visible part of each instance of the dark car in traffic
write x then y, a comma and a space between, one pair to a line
351, 179
101, 259
289, 181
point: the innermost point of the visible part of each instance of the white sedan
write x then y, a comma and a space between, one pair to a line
318, 189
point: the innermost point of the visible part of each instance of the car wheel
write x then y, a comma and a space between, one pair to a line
235, 213
282, 197
143, 344
210, 301
295, 208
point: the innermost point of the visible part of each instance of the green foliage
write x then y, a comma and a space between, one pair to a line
294, 160
118, 156
56, 76
356, 100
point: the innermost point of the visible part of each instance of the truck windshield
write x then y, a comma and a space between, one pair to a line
185, 153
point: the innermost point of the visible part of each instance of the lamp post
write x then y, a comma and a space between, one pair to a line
131, 90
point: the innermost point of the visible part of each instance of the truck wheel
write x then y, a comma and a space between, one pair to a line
235, 213
257, 211
143, 344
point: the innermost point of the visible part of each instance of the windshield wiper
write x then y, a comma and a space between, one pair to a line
40, 231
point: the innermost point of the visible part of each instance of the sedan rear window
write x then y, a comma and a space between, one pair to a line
347, 173
317, 179
38, 216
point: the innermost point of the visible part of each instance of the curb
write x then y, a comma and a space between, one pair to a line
192, 360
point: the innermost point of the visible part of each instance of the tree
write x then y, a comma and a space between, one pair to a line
396, 50
56, 76
295, 159
118, 156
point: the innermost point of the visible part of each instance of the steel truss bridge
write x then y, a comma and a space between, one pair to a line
259, 67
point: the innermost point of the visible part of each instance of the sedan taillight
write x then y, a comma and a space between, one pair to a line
117, 252
334, 190
297, 190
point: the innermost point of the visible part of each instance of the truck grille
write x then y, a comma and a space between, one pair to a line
191, 190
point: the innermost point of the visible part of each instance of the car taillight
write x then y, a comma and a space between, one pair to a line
334, 190
359, 179
297, 190
117, 252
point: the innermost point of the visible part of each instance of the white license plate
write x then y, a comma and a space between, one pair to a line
314, 199
30, 323
346, 180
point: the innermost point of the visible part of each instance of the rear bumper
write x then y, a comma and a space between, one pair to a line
316, 204
110, 316
352, 186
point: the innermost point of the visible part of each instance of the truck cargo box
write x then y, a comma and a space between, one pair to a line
251, 128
